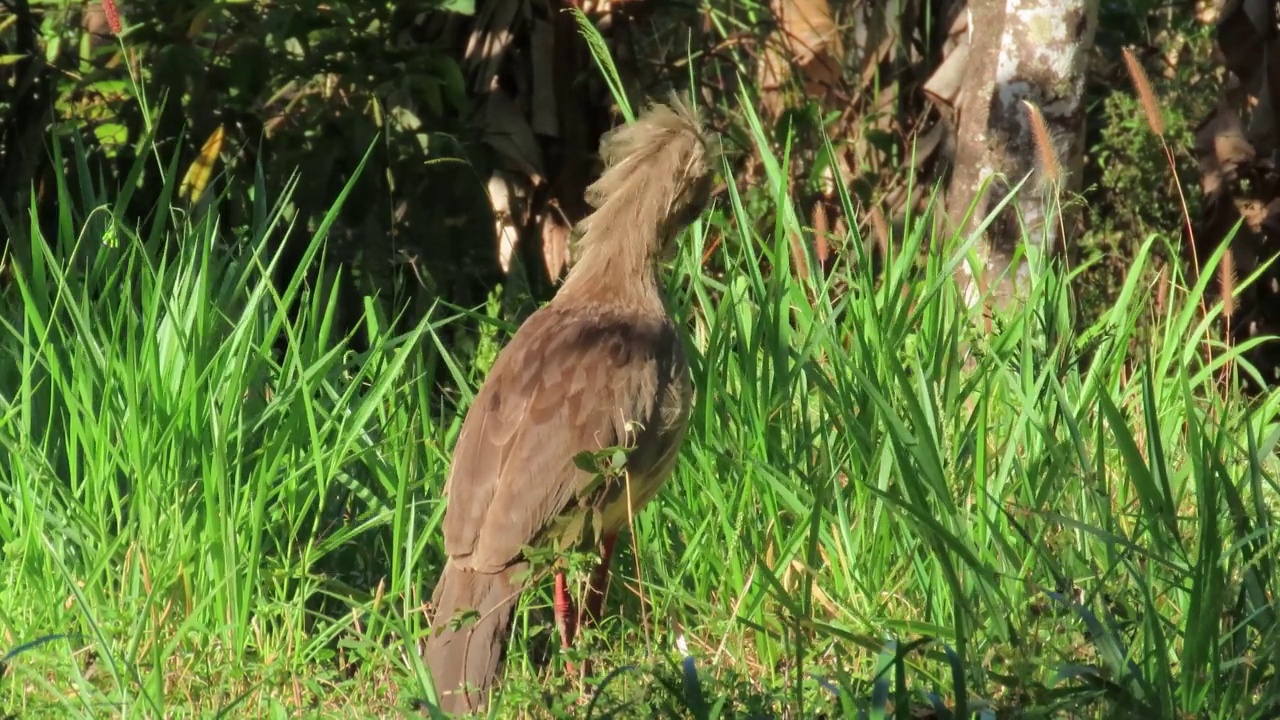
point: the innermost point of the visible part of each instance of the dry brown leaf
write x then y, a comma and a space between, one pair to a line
555, 244
807, 28
943, 87
1208, 11
1221, 148
198, 174
507, 131
543, 116
509, 209
771, 72
881, 227
1271, 223
807, 39
492, 35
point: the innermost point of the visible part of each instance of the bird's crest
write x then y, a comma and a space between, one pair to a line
657, 175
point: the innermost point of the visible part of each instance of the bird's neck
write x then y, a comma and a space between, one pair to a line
626, 276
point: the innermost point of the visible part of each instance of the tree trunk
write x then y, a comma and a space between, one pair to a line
1021, 51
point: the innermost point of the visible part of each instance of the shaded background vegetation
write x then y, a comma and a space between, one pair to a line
486, 117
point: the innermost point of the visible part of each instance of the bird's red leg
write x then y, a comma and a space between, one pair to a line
597, 587
566, 619
600, 579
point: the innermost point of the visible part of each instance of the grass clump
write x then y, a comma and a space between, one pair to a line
182, 498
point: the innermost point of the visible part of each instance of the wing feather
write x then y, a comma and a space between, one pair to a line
564, 384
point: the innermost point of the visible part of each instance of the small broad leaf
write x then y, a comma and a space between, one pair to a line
618, 460
586, 461
463, 618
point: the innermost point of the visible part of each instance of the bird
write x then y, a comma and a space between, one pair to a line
600, 366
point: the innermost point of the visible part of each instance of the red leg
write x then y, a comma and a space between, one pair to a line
597, 588
600, 580
565, 619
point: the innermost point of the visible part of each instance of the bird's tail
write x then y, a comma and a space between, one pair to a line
463, 658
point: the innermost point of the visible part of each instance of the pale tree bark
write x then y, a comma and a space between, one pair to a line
1020, 51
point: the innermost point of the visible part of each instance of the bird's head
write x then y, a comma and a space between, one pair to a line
658, 174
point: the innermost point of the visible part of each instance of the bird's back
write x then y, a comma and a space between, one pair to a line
574, 379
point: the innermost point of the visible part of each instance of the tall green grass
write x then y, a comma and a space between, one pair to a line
193, 511
211, 506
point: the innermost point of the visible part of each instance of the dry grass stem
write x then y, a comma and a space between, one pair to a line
1051, 173
1146, 94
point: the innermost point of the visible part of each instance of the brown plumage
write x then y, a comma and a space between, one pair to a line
600, 366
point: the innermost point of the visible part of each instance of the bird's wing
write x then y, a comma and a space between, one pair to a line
563, 385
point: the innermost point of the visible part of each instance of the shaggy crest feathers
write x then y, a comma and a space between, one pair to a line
657, 174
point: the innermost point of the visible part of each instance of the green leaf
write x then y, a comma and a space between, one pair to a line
461, 7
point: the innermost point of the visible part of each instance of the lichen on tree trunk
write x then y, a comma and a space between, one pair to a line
1021, 51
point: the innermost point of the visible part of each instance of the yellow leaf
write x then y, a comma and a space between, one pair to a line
200, 22
197, 177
